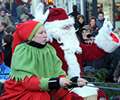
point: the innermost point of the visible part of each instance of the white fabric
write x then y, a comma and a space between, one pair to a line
67, 37
107, 26
104, 40
70, 43
73, 65
86, 91
39, 13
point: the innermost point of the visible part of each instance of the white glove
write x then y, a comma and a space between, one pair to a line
39, 13
107, 27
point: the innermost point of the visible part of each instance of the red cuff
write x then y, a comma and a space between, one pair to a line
115, 39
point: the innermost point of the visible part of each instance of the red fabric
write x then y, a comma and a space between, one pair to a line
101, 94
19, 2
62, 76
29, 2
116, 17
57, 14
2, 57
115, 39
23, 31
60, 93
26, 90
89, 53
31, 84
30, 90
76, 97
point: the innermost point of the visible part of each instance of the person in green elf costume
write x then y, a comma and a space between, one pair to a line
36, 70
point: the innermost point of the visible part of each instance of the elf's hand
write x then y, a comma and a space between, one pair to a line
64, 82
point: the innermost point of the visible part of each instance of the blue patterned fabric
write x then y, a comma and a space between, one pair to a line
4, 69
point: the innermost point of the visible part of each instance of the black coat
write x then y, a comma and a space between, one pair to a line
1, 35
7, 55
74, 14
109, 62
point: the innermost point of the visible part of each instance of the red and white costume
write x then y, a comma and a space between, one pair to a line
71, 51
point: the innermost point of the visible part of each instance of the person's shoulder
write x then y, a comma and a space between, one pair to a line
50, 47
6, 17
70, 14
97, 19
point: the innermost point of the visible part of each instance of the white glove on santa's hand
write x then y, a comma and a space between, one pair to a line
39, 13
106, 39
107, 27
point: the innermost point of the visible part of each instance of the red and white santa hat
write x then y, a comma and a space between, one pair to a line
58, 18
55, 17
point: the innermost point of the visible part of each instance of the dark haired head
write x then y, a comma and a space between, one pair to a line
92, 18
100, 13
10, 29
80, 16
74, 7
8, 39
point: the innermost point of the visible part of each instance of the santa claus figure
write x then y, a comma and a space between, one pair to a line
61, 35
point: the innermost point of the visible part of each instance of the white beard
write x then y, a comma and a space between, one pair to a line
67, 37
70, 47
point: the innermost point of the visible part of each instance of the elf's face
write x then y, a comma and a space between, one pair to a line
40, 36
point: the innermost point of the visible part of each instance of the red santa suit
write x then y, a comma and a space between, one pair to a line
72, 52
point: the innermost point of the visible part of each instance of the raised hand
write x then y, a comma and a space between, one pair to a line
107, 26
39, 13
